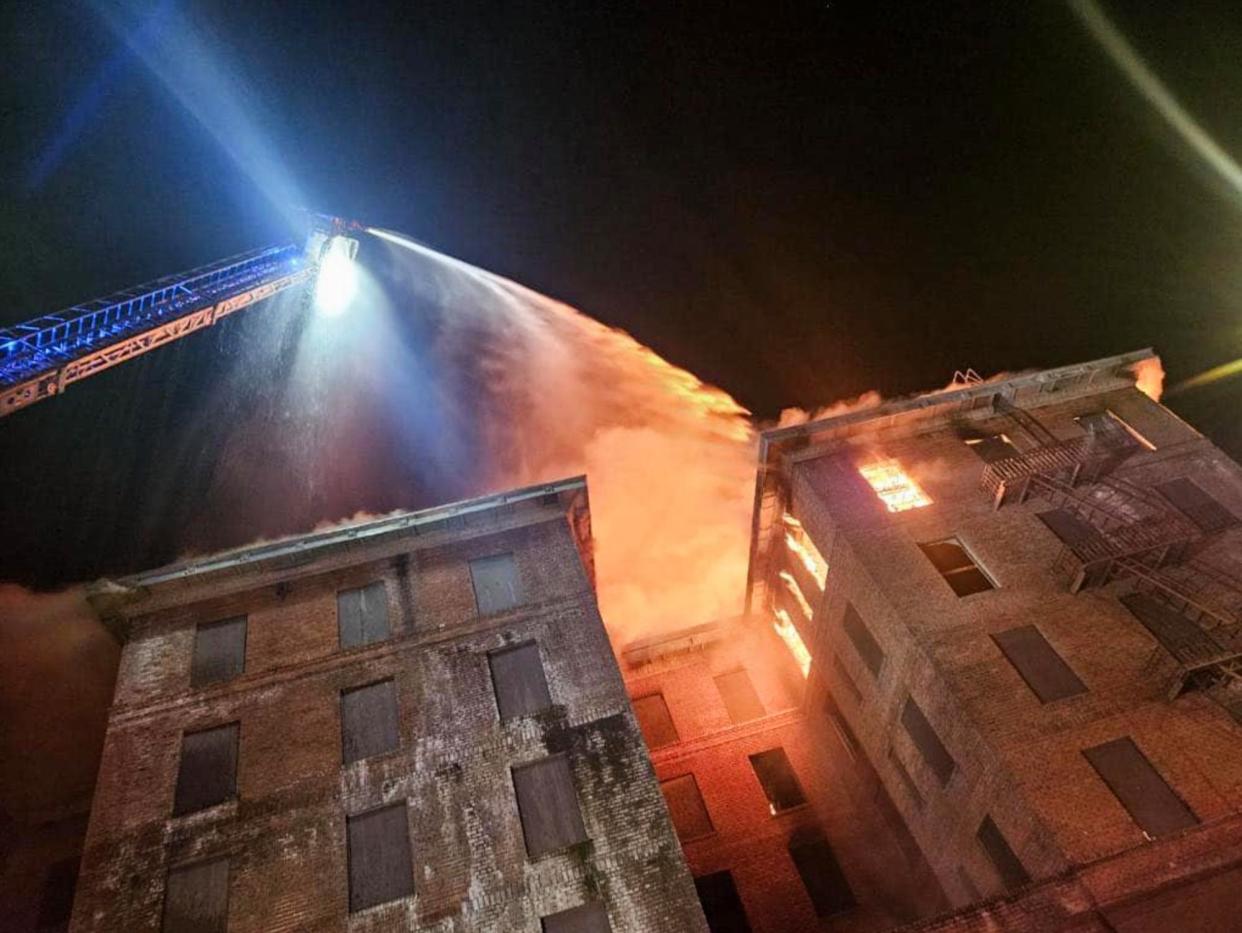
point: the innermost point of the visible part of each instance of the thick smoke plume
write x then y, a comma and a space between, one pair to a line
669, 460
57, 667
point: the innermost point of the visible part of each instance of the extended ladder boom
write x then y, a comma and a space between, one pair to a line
39, 358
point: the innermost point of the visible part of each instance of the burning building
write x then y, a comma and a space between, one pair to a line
1028, 627
987, 677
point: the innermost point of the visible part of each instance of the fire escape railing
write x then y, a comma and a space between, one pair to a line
1120, 530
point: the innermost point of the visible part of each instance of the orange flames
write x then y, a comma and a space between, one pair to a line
792, 585
893, 485
784, 627
803, 548
1149, 378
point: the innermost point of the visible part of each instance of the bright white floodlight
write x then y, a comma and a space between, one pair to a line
337, 282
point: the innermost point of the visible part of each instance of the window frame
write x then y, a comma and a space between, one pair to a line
770, 754
668, 715
184, 783
974, 564
346, 761
200, 677
710, 829
507, 716
351, 858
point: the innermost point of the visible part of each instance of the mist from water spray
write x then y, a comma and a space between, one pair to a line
669, 460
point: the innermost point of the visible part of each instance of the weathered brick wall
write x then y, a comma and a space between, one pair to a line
1018, 760
285, 834
888, 876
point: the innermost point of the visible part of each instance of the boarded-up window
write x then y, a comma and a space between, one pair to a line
1003, 859
1040, 666
219, 651
654, 720
821, 874
196, 899
496, 584
955, 565
56, 902
868, 648
208, 772
721, 904
380, 866
994, 448
1072, 530
739, 696
927, 742
1154, 806
686, 807
369, 721
585, 918
517, 676
548, 805
362, 615
780, 784
1197, 505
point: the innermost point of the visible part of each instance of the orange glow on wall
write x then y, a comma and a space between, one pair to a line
892, 484
804, 549
789, 635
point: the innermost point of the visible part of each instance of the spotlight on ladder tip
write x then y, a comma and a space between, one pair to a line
333, 253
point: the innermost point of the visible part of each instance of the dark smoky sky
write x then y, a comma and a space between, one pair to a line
796, 201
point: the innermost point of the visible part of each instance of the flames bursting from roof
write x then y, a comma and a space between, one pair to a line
894, 486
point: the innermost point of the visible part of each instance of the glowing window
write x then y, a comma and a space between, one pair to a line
791, 585
894, 486
803, 548
793, 641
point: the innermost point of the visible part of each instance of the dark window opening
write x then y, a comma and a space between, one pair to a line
380, 865
519, 682
1197, 505
208, 771
927, 741
821, 874
993, 448
1110, 432
961, 573
362, 615
1073, 532
655, 721
196, 899
780, 784
369, 721
866, 645
1038, 663
739, 696
721, 904
1003, 859
1149, 800
686, 807
496, 584
585, 918
219, 651
548, 805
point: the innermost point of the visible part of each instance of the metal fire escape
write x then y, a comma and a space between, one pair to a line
39, 358
1113, 529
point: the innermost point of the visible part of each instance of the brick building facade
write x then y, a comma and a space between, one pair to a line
1029, 621
784, 824
411, 724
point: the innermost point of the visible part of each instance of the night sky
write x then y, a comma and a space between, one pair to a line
796, 201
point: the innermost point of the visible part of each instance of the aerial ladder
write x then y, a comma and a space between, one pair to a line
42, 357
